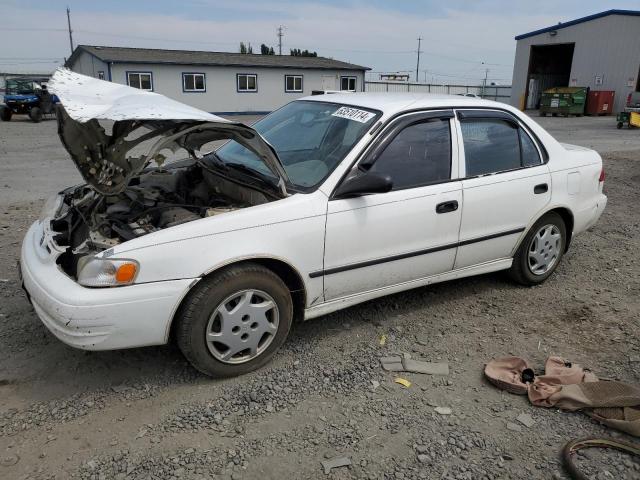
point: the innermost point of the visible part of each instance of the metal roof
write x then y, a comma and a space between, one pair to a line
588, 18
194, 57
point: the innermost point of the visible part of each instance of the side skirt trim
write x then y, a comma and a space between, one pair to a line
402, 256
348, 301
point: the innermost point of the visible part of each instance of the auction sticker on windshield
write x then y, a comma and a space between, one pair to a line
349, 113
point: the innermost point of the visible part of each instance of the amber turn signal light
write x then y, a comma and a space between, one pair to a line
126, 272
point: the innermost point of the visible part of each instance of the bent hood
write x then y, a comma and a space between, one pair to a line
105, 161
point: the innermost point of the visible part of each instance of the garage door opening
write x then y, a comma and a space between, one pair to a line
549, 66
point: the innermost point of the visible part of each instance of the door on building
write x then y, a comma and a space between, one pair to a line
549, 66
329, 82
362, 247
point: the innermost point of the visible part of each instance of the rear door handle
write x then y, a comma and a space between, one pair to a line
542, 188
446, 207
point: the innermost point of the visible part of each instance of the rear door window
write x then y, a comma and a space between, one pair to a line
490, 146
493, 145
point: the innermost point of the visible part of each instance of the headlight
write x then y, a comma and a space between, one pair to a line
107, 272
51, 207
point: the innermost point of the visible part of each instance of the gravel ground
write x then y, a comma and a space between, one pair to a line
145, 414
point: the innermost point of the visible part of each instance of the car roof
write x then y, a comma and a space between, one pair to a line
393, 102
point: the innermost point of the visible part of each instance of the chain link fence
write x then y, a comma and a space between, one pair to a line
499, 93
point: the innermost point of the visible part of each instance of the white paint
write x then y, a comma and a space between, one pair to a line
85, 98
293, 230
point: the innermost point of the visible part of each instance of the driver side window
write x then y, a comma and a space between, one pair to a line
419, 155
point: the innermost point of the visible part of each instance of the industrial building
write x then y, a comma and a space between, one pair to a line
218, 82
601, 52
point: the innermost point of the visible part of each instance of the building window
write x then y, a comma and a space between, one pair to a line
193, 82
293, 83
348, 83
247, 82
141, 80
101, 74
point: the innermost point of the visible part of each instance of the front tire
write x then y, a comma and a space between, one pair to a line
5, 114
234, 321
35, 114
541, 251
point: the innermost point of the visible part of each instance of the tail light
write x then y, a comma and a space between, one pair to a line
629, 100
602, 176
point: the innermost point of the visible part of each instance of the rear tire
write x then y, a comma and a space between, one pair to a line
35, 114
5, 114
211, 325
540, 252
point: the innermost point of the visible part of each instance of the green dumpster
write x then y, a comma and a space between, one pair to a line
563, 101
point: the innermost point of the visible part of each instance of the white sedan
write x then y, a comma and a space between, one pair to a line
330, 201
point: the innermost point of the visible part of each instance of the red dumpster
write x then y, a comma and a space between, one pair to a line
600, 102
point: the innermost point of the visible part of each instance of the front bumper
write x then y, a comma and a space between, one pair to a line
95, 318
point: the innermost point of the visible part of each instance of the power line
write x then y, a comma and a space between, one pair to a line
70, 31
280, 35
418, 62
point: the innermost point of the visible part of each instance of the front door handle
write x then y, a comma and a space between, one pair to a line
542, 188
445, 207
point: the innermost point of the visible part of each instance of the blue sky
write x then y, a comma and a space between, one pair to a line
461, 38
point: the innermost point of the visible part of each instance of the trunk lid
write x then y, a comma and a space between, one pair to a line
105, 160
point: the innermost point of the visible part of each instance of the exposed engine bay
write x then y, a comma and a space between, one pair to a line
90, 222
114, 134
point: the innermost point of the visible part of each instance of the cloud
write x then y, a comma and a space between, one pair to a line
456, 39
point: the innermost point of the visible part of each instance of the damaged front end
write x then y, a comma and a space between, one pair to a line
124, 196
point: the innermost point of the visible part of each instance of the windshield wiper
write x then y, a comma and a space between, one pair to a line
250, 171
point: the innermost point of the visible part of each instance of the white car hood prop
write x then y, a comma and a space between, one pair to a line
102, 159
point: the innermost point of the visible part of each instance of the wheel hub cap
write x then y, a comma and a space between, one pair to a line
242, 326
544, 249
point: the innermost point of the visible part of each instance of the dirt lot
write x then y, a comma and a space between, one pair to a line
146, 414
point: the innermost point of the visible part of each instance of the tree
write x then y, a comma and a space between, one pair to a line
296, 52
264, 50
245, 48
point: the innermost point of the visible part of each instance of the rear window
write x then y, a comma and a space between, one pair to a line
495, 145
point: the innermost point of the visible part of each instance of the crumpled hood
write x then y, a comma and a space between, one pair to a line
103, 159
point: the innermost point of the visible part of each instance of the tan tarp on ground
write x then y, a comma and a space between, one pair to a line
570, 387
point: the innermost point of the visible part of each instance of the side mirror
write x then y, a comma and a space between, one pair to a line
364, 184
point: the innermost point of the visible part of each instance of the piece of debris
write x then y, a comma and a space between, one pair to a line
383, 340
514, 427
405, 363
392, 364
375, 384
335, 462
635, 359
403, 381
526, 419
443, 410
142, 433
4, 280
429, 368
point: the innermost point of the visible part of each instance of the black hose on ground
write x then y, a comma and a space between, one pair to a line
571, 448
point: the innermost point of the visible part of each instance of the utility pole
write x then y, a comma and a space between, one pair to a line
484, 82
70, 31
418, 63
280, 35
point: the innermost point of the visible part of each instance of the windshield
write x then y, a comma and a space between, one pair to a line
20, 87
311, 139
